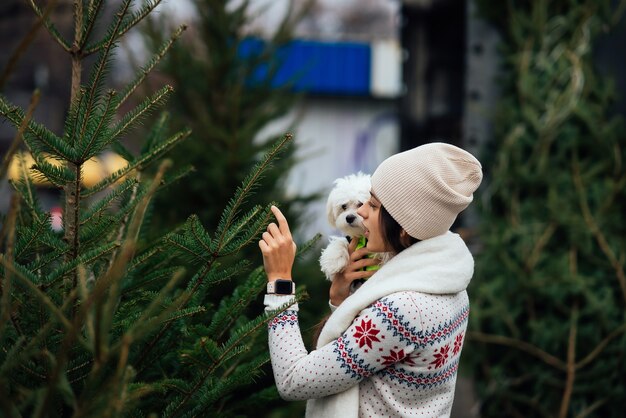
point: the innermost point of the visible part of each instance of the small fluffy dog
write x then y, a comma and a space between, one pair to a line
346, 197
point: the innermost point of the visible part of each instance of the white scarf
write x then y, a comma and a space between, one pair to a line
439, 265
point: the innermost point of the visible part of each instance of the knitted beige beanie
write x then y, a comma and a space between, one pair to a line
425, 188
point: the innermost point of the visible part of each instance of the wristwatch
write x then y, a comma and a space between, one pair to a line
281, 287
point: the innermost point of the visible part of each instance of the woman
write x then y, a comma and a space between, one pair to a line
392, 347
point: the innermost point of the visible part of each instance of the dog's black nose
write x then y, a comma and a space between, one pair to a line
350, 218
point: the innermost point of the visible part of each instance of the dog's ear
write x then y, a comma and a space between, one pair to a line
330, 213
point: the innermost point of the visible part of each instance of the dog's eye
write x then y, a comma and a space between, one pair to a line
358, 205
344, 207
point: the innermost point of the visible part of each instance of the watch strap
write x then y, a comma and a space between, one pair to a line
281, 287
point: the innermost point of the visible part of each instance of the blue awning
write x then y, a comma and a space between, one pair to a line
334, 68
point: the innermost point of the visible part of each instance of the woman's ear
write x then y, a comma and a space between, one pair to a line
405, 238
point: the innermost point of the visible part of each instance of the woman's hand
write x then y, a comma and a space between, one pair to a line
278, 248
340, 287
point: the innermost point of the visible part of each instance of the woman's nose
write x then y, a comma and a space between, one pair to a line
361, 211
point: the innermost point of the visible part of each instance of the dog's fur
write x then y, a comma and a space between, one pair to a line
346, 197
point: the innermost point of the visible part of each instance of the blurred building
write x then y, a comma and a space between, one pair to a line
40, 67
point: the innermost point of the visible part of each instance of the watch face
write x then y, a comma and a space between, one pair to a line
283, 287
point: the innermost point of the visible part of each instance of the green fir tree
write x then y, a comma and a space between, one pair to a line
98, 320
226, 91
548, 327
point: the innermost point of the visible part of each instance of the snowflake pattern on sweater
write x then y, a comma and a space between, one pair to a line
403, 351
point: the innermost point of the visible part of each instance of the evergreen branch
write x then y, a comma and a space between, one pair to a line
123, 152
40, 135
307, 246
176, 176
43, 261
251, 233
149, 278
24, 186
44, 17
107, 114
57, 175
200, 235
8, 227
588, 410
105, 224
121, 29
39, 233
195, 361
75, 116
123, 214
147, 321
260, 398
139, 260
104, 203
25, 277
92, 15
520, 345
79, 15
86, 259
27, 236
231, 308
164, 49
139, 112
125, 27
157, 132
17, 140
543, 240
253, 229
231, 210
600, 347
12, 352
112, 32
199, 277
33, 342
244, 332
101, 65
184, 313
229, 384
128, 249
140, 162
571, 366
595, 228
214, 277
185, 246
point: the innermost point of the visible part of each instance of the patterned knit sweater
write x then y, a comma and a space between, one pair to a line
403, 351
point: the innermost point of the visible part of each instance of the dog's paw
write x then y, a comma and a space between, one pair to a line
335, 257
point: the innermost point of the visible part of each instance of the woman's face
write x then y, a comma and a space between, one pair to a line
370, 212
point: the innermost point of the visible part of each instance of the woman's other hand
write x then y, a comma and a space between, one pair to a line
340, 287
278, 248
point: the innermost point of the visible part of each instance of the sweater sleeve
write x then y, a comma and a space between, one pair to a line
370, 344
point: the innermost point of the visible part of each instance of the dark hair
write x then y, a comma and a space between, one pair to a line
391, 232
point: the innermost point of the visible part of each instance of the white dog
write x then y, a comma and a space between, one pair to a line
349, 194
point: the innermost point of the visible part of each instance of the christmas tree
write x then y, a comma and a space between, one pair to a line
548, 328
98, 319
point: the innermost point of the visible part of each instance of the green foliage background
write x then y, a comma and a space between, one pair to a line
548, 328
